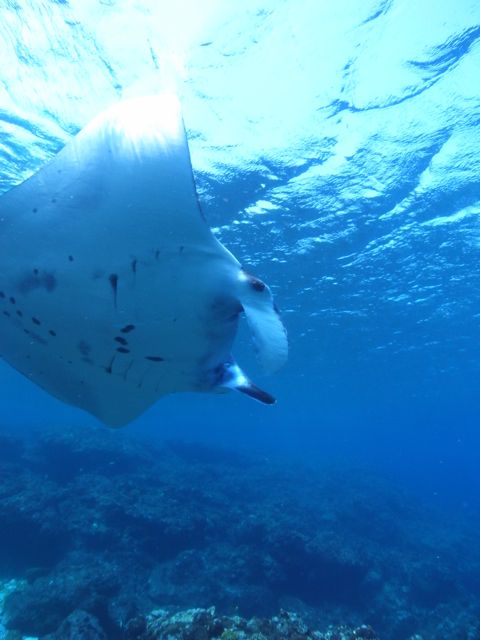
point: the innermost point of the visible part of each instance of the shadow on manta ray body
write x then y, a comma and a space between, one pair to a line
113, 289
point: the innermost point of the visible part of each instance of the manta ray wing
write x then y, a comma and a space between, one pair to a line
113, 290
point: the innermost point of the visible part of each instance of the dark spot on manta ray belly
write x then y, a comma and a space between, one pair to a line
36, 337
128, 328
108, 368
38, 280
113, 279
84, 348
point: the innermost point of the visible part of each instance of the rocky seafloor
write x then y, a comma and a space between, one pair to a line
202, 624
103, 536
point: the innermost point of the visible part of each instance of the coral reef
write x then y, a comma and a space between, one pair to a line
204, 624
102, 529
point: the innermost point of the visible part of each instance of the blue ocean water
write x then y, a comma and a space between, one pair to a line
335, 148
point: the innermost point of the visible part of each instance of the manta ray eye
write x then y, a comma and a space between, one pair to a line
256, 284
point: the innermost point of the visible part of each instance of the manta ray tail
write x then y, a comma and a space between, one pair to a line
234, 378
269, 335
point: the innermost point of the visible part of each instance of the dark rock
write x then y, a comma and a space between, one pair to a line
11, 449
40, 607
135, 629
232, 580
32, 535
79, 625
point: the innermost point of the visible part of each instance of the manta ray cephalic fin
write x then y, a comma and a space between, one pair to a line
269, 335
234, 378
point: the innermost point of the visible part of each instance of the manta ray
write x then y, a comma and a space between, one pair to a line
113, 289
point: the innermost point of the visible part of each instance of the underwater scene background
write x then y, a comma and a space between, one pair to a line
335, 148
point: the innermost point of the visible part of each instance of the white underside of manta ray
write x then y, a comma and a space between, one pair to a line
113, 290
